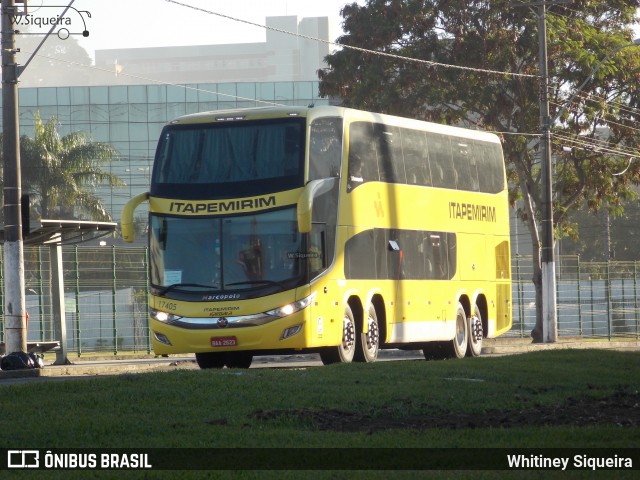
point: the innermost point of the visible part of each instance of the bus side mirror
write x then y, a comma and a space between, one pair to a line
313, 189
126, 222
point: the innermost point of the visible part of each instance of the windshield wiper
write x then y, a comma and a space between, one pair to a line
257, 282
167, 289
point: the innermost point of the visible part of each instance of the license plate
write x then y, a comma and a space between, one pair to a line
224, 341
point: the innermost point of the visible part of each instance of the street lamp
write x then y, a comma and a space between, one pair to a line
549, 318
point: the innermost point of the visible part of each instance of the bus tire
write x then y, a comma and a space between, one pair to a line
460, 339
368, 344
344, 352
210, 360
238, 359
474, 349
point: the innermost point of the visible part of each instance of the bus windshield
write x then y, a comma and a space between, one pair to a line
230, 152
226, 254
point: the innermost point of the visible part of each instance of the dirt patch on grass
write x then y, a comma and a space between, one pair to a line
621, 408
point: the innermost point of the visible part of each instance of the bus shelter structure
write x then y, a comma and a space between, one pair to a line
55, 234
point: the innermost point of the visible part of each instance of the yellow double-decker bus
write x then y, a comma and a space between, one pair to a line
329, 230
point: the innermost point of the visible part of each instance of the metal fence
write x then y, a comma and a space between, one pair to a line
106, 298
105, 290
594, 299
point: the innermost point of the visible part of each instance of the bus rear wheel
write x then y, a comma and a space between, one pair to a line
344, 352
368, 344
210, 359
459, 342
456, 348
476, 333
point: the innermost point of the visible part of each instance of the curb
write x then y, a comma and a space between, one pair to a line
86, 369
147, 363
523, 345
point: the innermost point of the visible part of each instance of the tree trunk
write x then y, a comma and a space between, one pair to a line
530, 217
537, 332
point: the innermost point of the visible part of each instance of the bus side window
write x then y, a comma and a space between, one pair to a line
395, 267
416, 157
452, 255
442, 169
439, 256
325, 216
317, 250
467, 177
473, 165
325, 148
360, 257
413, 265
363, 162
389, 152
355, 171
490, 173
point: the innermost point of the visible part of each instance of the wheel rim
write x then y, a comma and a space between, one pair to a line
461, 329
348, 335
476, 333
373, 335
476, 329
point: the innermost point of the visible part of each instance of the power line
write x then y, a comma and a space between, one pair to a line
592, 97
236, 97
359, 49
594, 146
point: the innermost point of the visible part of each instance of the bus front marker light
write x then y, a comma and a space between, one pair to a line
290, 331
161, 338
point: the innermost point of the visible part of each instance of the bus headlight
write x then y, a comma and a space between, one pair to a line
163, 317
292, 308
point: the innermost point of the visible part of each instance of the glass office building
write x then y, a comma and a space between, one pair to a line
130, 118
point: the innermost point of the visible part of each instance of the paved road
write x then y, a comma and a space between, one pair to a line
87, 368
84, 368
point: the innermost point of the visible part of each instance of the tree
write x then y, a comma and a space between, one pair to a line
61, 173
503, 37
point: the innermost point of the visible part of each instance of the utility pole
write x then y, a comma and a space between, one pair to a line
14, 298
549, 318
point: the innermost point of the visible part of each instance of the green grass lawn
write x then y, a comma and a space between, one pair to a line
550, 399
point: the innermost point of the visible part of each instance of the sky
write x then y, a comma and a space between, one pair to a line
149, 23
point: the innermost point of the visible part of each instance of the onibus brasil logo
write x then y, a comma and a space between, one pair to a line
42, 19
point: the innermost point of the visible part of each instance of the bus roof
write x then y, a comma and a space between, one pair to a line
260, 113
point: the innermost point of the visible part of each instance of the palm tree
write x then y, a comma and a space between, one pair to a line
61, 173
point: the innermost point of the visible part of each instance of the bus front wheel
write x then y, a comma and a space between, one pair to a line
367, 344
238, 360
207, 360
210, 360
344, 352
